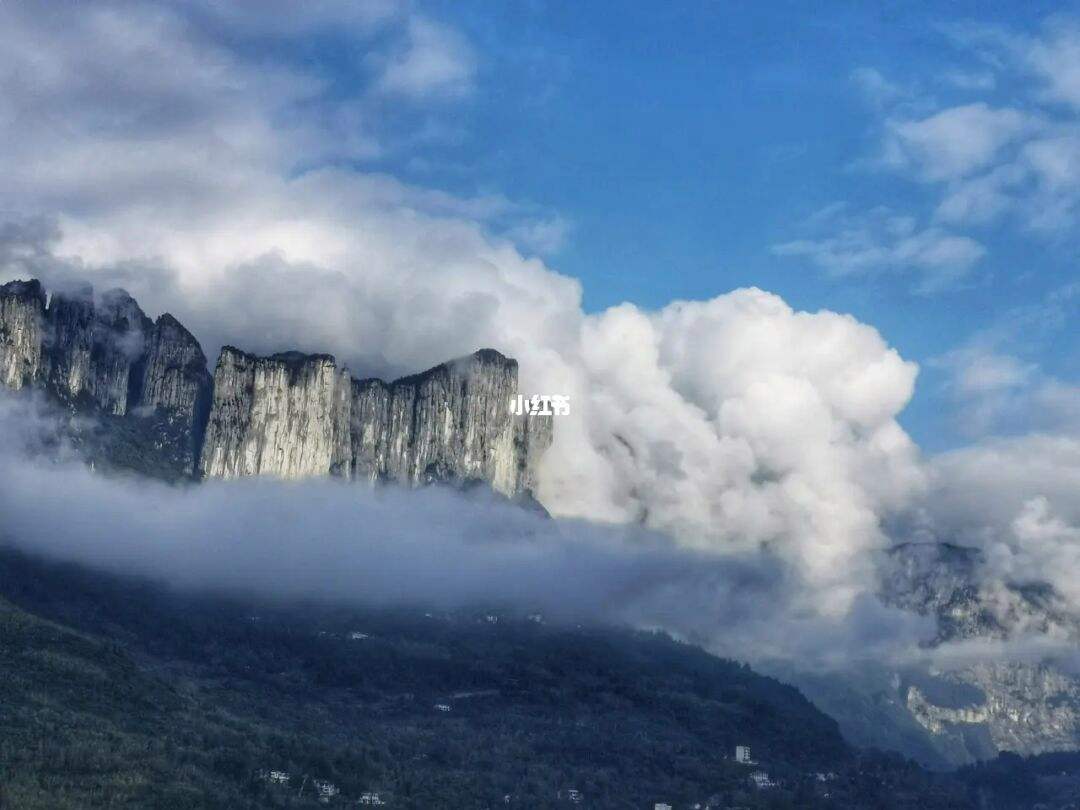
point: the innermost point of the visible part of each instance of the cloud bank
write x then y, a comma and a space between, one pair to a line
327, 540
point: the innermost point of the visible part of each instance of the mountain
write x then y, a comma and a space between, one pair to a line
119, 692
158, 410
1026, 704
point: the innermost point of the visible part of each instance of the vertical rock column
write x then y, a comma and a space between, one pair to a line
175, 379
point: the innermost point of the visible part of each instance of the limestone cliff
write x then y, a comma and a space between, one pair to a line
174, 377
451, 422
146, 383
94, 350
1028, 706
286, 415
289, 415
295, 415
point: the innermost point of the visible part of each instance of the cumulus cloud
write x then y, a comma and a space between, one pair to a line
433, 61
1015, 499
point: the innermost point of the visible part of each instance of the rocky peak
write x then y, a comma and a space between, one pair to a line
947, 581
175, 376
175, 379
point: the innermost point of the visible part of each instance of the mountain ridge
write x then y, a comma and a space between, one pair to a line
289, 414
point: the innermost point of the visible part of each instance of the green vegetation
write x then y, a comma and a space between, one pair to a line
122, 694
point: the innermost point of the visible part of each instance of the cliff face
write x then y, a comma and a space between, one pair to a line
285, 415
94, 350
147, 383
289, 415
971, 712
174, 377
22, 329
451, 422
297, 415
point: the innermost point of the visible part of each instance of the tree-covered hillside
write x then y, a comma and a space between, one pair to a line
119, 693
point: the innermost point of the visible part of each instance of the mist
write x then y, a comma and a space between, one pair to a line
339, 542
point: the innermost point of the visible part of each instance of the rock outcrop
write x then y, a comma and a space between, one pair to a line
174, 377
22, 330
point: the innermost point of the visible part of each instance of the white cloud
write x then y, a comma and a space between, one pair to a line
433, 61
877, 90
250, 535
996, 390
1015, 159
882, 241
1015, 499
993, 140
1001, 393
953, 142
1055, 60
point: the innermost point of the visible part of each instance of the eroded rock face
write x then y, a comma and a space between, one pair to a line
174, 377
286, 415
22, 325
297, 415
95, 351
1024, 707
451, 422
972, 712
289, 415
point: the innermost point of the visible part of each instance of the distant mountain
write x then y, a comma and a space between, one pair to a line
161, 413
971, 712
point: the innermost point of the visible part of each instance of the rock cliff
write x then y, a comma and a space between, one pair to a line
22, 330
294, 415
94, 349
289, 415
972, 712
174, 376
452, 422
286, 415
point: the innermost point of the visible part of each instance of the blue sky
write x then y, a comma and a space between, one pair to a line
679, 143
